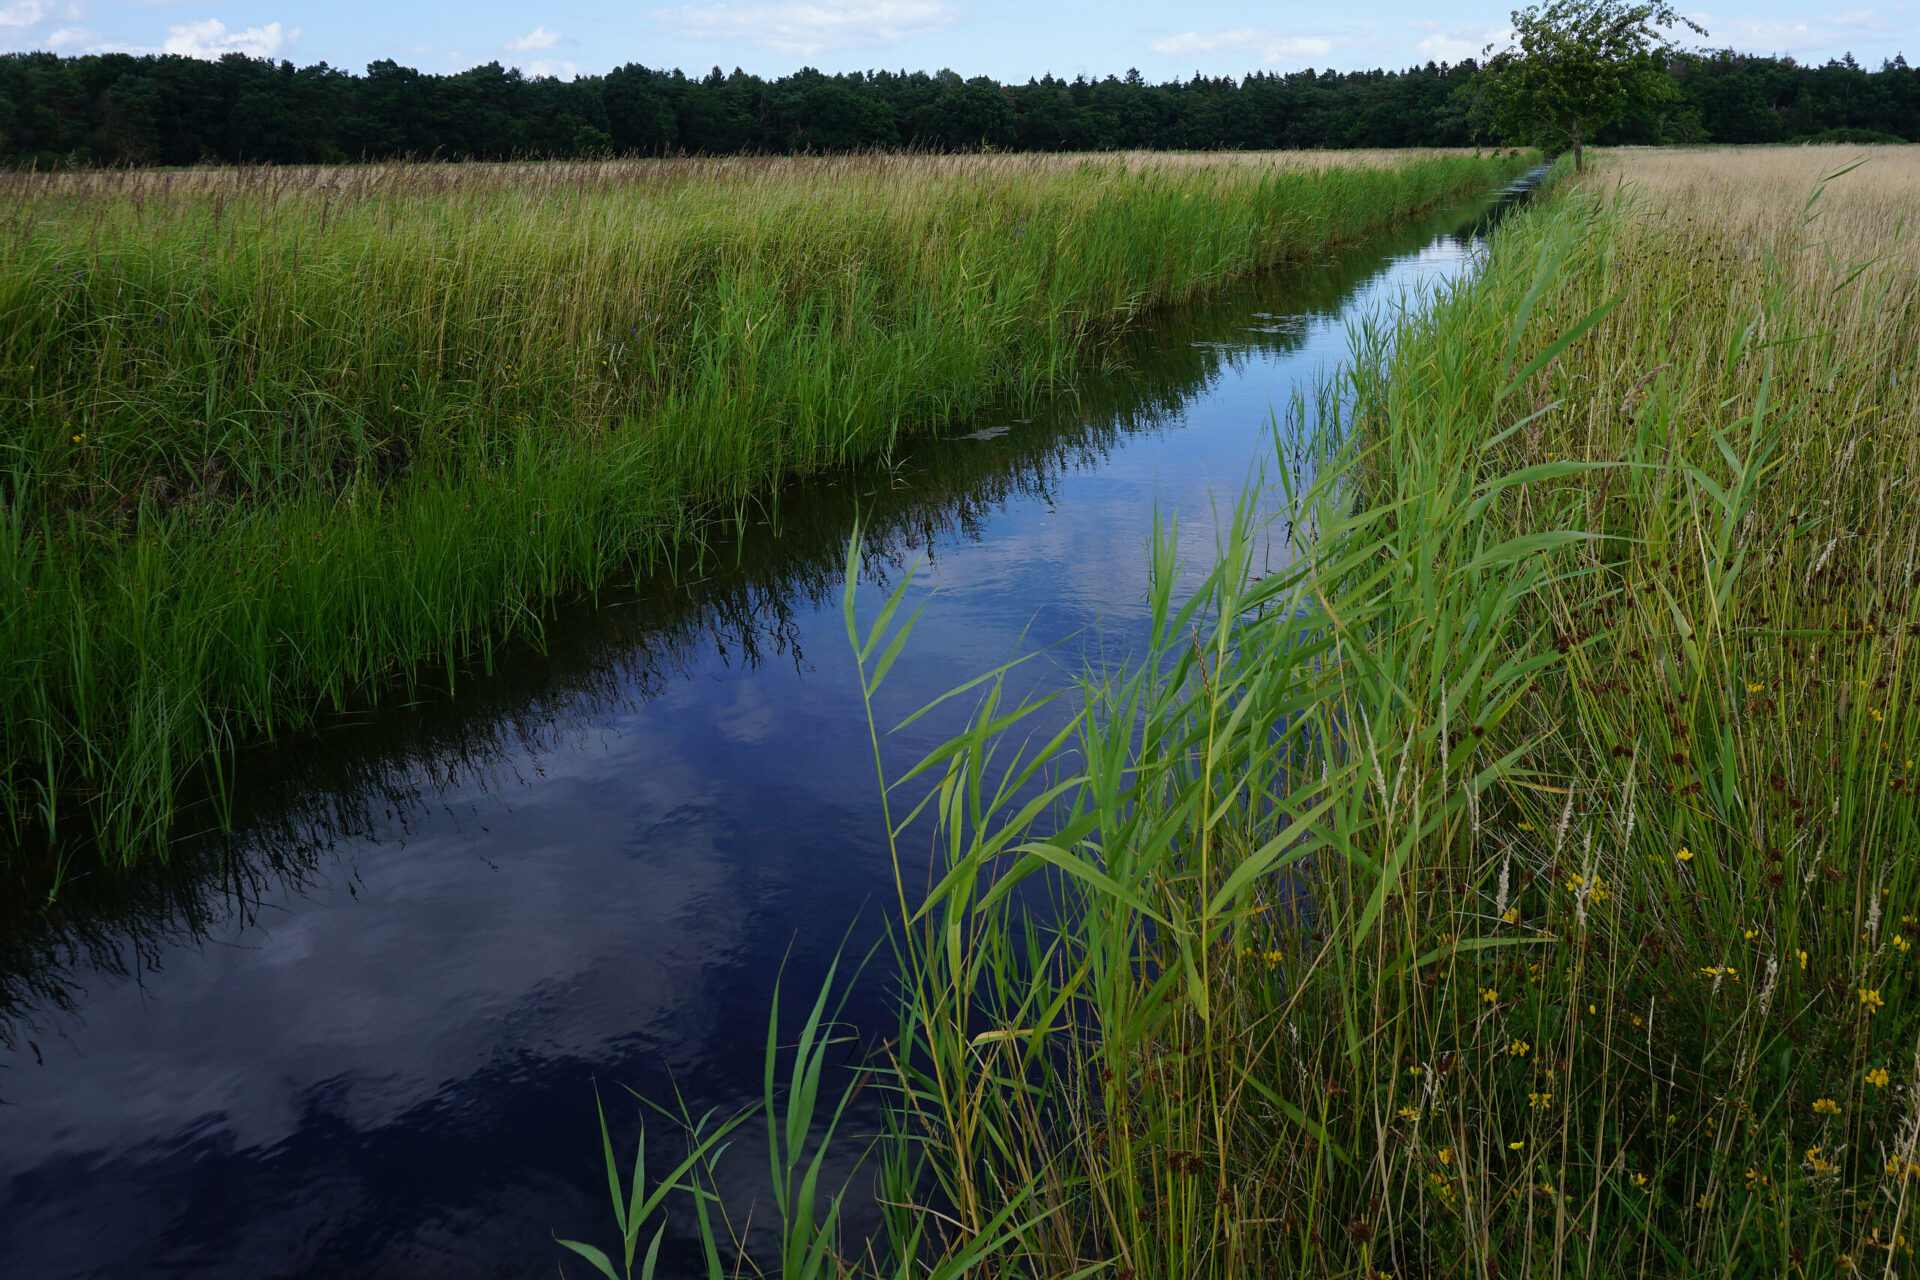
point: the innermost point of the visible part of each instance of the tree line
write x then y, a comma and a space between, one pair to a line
167, 109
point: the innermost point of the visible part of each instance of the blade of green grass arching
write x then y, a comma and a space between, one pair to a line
623, 1210
600, 1260
1553, 349
808, 1239
635, 1203
703, 1220
1546, 269
1291, 844
1000, 1231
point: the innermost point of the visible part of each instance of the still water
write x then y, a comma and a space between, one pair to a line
360, 1035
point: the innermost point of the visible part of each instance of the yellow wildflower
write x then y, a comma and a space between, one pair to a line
1826, 1107
1872, 1001
1877, 1077
1518, 1049
1685, 854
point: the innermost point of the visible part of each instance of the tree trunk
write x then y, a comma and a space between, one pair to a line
1579, 152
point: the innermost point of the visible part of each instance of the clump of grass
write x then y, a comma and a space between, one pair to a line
281, 438
1520, 881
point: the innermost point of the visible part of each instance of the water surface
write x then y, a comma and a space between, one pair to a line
359, 1036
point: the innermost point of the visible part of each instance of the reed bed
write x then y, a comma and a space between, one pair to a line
281, 439
1521, 881
413, 178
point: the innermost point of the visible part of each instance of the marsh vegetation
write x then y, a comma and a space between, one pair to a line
1520, 881
288, 439
1514, 879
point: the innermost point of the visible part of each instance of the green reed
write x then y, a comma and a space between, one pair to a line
278, 440
1517, 882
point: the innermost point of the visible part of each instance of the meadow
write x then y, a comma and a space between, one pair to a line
1519, 882
282, 440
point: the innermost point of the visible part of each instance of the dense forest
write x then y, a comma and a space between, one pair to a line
122, 109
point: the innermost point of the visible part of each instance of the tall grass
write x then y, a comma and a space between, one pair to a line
1521, 881
278, 439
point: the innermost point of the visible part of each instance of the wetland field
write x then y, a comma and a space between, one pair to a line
286, 439
1520, 878
1431, 789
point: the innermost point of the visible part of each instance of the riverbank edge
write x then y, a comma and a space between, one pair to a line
1444, 904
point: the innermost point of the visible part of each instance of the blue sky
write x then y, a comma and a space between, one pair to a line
1008, 39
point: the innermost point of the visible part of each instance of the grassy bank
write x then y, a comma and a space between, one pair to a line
1522, 881
279, 439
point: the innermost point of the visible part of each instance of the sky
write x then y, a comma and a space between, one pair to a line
1009, 40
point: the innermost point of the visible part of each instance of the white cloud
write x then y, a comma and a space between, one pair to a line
1823, 36
21, 14
1456, 44
1443, 48
1271, 46
544, 38
72, 38
538, 38
805, 27
211, 38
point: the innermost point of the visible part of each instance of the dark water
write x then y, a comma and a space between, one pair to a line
359, 1037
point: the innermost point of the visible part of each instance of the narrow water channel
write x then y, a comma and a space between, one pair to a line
360, 1035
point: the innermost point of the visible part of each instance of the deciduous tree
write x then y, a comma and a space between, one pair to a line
1574, 66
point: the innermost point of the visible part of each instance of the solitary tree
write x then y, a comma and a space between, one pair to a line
1574, 66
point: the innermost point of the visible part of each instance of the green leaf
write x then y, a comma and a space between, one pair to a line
1555, 347
1042, 852
593, 1255
1196, 989
1526, 475
653, 1254
1291, 844
1527, 544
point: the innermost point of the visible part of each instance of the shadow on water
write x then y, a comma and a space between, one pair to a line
356, 1034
